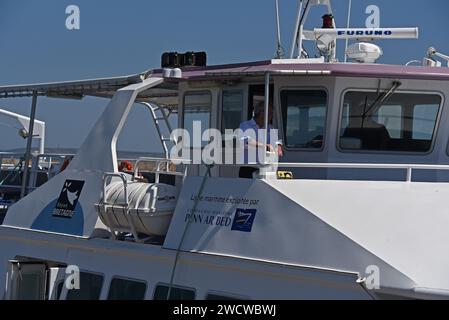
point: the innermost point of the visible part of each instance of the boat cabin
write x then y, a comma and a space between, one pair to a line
330, 113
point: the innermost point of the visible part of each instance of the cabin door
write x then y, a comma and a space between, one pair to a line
26, 281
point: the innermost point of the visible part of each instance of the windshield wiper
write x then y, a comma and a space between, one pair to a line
381, 98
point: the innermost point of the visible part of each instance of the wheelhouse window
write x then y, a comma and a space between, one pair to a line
123, 289
30, 287
403, 122
232, 113
304, 118
90, 287
176, 293
197, 107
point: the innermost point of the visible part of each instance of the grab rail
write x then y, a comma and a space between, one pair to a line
125, 186
158, 170
389, 166
408, 167
36, 161
125, 205
392, 166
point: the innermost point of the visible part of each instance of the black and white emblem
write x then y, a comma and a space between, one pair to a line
68, 199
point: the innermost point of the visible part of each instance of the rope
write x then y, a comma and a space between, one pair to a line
19, 164
209, 167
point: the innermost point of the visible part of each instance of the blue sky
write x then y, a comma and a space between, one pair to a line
126, 37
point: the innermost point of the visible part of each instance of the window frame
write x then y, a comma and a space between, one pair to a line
326, 120
386, 152
126, 279
65, 291
176, 287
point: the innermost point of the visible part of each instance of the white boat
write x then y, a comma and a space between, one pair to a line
363, 217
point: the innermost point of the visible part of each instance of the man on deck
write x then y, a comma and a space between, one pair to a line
253, 139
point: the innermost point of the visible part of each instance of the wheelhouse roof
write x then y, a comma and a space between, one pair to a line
286, 67
106, 87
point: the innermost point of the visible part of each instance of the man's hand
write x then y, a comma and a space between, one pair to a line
270, 148
280, 150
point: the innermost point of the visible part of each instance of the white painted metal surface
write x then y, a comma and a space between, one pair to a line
39, 127
96, 156
362, 33
203, 273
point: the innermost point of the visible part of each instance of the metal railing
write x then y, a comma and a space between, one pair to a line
408, 167
36, 161
107, 179
125, 204
158, 170
48, 161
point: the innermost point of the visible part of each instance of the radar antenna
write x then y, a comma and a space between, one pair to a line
279, 49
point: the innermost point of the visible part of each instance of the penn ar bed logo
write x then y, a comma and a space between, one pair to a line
68, 199
243, 220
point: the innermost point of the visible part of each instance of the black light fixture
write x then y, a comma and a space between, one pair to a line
23, 133
188, 59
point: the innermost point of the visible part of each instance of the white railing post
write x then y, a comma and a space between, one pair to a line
409, 174
267, 111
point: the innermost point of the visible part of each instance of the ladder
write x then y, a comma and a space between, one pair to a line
160, 115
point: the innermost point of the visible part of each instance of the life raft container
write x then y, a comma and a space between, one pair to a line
148, 209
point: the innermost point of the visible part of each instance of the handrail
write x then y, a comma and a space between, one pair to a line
33, 166
157, 171
40, 155
15, 187
125, 186
392, 166
329, 165
363, 165
125, 205
12, 173
340, 165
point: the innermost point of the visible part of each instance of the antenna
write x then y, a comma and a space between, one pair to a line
326, 37
299, 34
279, 50
297, 26
347, 26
